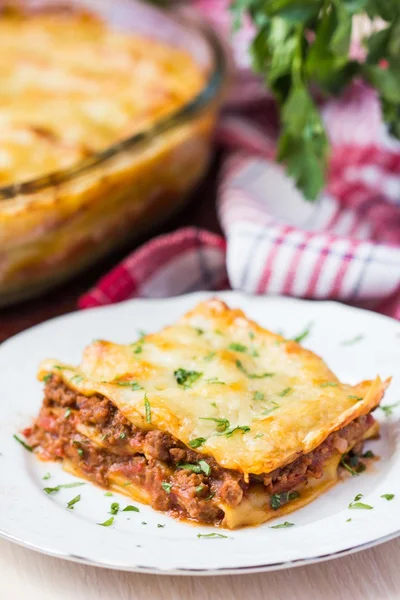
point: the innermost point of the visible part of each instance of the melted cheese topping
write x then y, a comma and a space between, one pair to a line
283, 398
70, 87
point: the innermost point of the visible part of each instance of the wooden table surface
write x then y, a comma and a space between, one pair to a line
369, 575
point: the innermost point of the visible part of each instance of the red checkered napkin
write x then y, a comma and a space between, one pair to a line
344, 247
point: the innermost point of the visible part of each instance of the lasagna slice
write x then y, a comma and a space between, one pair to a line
214, 419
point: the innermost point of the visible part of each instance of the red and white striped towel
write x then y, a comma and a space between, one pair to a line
344, 247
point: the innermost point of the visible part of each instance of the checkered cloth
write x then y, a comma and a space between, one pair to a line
344, 247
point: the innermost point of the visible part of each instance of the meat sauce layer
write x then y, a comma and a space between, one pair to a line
177, 479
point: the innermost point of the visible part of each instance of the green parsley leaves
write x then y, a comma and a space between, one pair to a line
107, 523
224, 427
133, 385
356, 505
285, 392
303, 335
356, 398
57, 488
147, 409
277, 500
222, 424
236, 347
197, 442
166, 487
114, 508
241, 367
201, 467
72, 502
24, 444
353, 340
212, 536
388, 409
387, 496
259, 396
130, 508
282, 525
47, 377
186, 378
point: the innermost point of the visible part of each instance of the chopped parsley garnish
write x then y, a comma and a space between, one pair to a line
47, 377
108, 494
348, 520
235, 347
358, 497
80, 451
274, 406
278, 499
197, 442
198, 330
107, 523
131, 384
213, 404
360, 505
212, 536
259, 435
201, 467
144, 522
59, 367
329, 384
348, 467
46, 476
388, 409
166, 487
368, 454
222, 424
114, 508
282, 525
57, 488
232, 430
252, 375
138, 350
142, 334
67, 412
209, 356
259, 396
147, 409
212, 494
357, 398
71, 503
205, 467
215, 380
302, 336
122, 436
199, 489
285, 392
160, 525
186, 378
76, 379
388, 496
353, 340
130, 508
24, 444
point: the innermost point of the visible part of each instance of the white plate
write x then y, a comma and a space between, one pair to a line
39, 521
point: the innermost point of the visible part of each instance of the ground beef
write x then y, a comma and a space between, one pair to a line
153, 458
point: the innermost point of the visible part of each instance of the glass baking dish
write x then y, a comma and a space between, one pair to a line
56, 225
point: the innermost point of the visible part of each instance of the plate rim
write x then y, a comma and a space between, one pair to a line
225, 295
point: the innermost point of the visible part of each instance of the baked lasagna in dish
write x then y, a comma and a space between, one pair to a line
107, 111
214, 419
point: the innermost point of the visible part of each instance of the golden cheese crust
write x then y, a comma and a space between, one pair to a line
254, 400
71, 86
